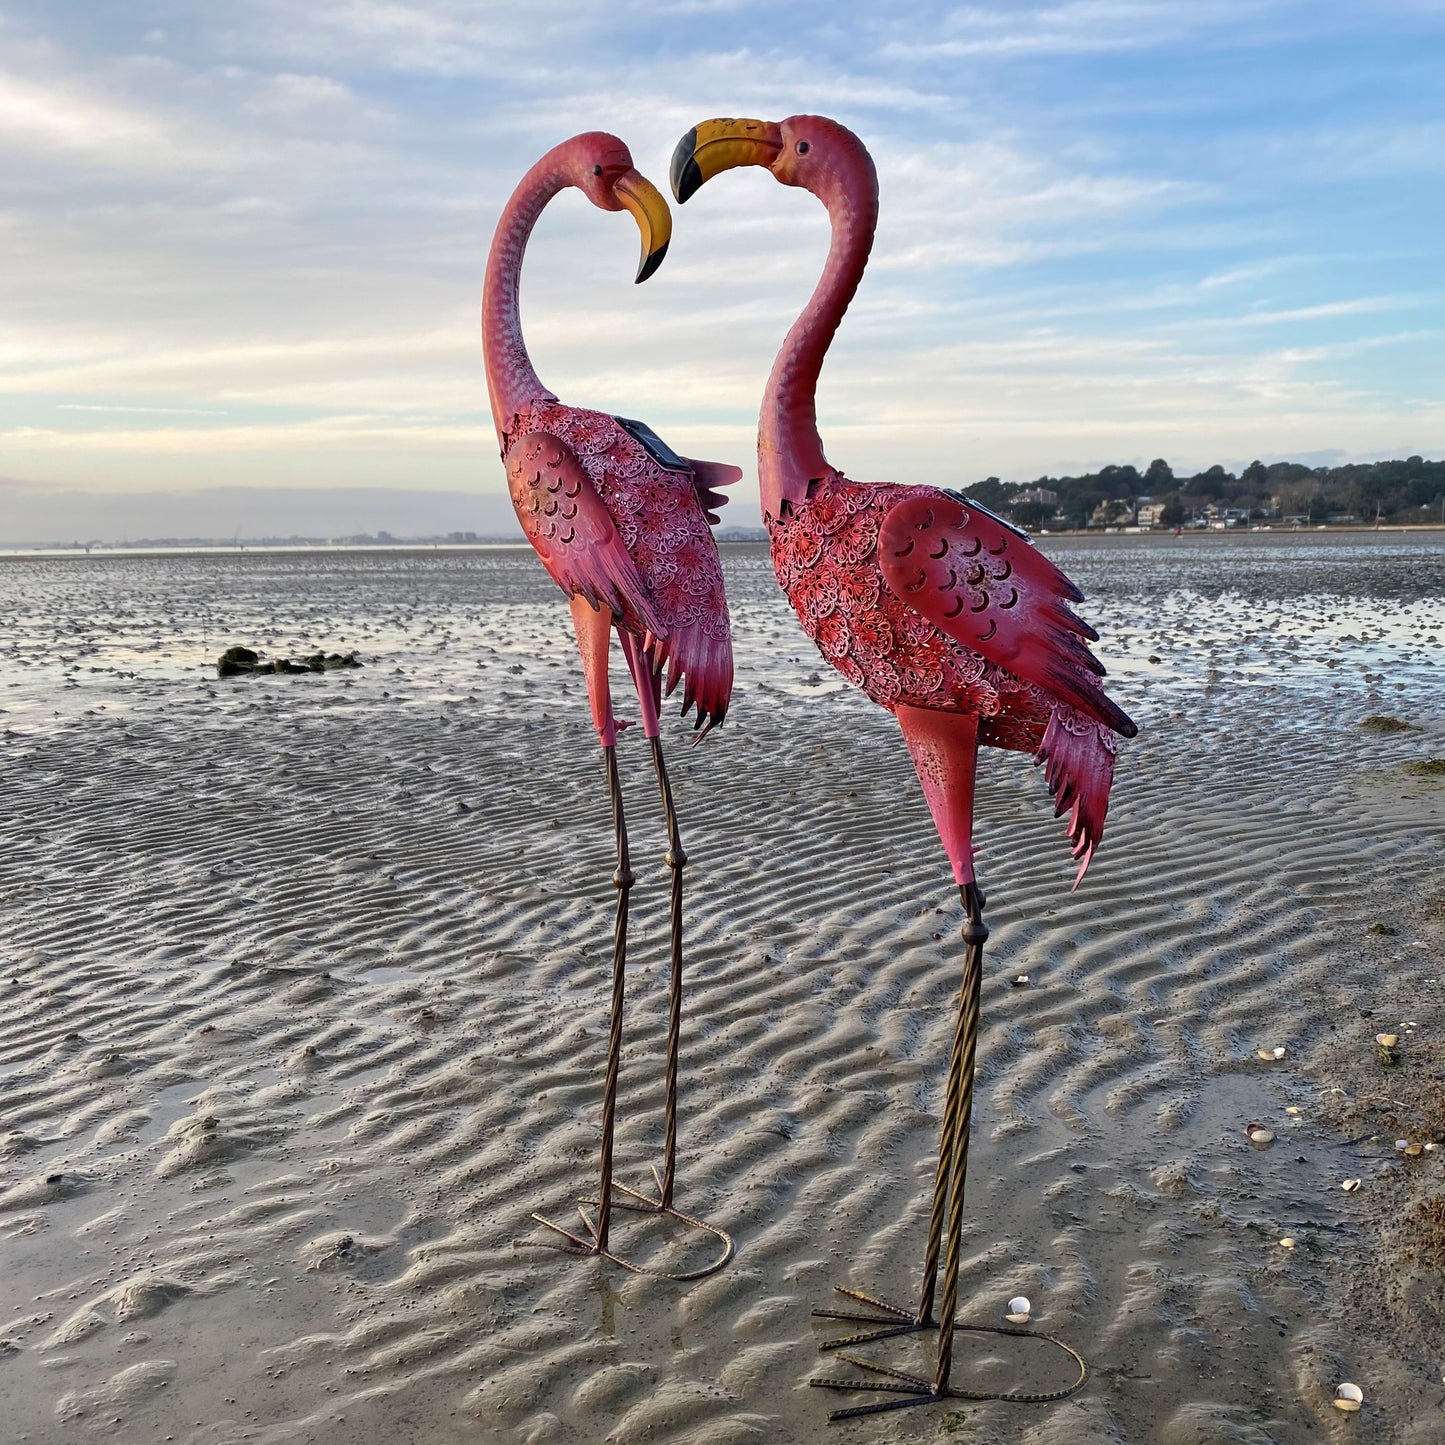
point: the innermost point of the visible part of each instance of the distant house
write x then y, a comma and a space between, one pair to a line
1112, 512
1218, 518
1149, 514
1042, 495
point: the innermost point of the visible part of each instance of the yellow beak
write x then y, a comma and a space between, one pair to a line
653, 218
719, 145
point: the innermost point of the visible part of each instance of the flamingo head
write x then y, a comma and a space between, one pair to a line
600, 166
810, 151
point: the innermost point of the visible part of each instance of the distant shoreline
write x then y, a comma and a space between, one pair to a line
165, 547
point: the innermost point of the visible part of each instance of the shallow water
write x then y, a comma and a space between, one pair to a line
1352, 618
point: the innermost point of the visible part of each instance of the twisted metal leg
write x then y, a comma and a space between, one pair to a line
889, 1319
950, 1184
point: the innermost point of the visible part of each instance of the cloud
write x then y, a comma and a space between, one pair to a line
1076, 27
251, 247
66, 121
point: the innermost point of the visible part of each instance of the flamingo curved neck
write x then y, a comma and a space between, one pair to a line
511, 381
790, 451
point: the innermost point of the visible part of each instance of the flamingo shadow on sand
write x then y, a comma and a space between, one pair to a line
621, 522
947, 616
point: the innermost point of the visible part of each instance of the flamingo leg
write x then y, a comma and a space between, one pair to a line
950, 1185
649, 696
948, 1180
594, 628
944, 748
676, 862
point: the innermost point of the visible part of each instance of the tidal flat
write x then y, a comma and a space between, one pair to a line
304, 986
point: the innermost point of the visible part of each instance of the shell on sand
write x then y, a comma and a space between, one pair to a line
1348, 1397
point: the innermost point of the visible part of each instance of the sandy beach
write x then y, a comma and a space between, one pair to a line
303, 991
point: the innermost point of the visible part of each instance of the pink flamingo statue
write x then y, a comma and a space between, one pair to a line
942, 613
621, 523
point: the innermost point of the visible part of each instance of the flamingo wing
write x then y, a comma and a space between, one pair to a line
708, 477
987, 587
568, 524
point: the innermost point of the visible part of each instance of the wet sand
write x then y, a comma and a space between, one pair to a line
304, 1008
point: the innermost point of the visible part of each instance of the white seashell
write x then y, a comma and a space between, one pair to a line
1021, 981
1350, 1185
1348, 1397
1430, 1148
1286, 1243
1258, 1134
1018, 1310
1269, 1055
1401, 1145
1293, 1110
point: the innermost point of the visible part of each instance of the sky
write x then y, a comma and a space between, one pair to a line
243, 244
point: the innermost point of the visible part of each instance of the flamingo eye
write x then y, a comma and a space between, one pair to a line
596, 170
803, 147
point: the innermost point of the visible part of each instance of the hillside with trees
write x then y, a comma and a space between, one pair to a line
1397, 492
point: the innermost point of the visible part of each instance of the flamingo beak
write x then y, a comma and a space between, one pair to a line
653, 218
719, 145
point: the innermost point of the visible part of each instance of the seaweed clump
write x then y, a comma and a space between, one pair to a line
239, 661
1383, 723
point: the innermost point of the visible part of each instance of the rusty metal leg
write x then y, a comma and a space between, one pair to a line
622, 880
952, 1172
890, 1319
667, 1176
613, 1194
676, 862
975, 935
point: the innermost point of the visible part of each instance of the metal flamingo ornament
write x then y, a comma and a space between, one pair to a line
945, 615
621, 522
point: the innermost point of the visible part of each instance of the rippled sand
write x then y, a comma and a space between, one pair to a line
304, 1008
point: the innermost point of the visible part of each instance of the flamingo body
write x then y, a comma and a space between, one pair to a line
615, 515
614, 524
917, 595
861, 565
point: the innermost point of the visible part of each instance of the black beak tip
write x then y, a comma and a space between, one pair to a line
650, 263
686, 177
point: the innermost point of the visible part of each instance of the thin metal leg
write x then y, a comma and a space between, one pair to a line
622, 880
676, 862
666, 1178
613, 1194
892, 1320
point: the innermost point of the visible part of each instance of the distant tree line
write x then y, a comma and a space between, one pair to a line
1392, 491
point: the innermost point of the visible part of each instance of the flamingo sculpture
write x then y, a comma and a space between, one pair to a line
942, 613
620, 521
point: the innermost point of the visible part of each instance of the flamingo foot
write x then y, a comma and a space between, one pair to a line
635, 1202
916, 1390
